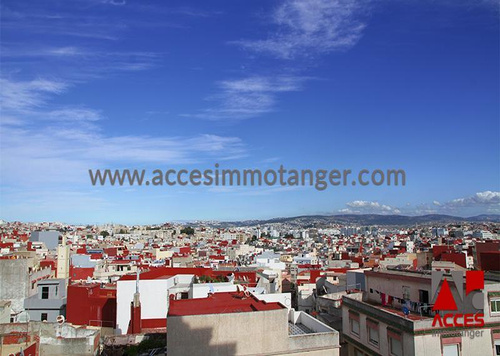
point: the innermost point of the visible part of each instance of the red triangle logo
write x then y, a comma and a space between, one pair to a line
445, 300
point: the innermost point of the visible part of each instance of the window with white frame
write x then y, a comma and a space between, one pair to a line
372, 331
354, 322
497, 347
495, 305
373, 337
406, 292
355, 326
451, 350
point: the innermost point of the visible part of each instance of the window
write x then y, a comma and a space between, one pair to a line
373, 336
451, 350
396, 348
354, 322
495, 305
423, 296
44, 317
406, 292
497, 347
45, 292
372, 331
355, 326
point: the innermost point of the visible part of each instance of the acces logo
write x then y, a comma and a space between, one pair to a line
444, 301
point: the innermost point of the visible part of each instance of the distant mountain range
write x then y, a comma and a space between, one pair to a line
369, 219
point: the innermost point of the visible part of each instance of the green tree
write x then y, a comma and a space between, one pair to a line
188, 231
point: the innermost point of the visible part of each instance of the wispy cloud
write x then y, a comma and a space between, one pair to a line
60, 145
310, 27
60, 22
194, 12
301, 28
82, 63
249, 97
113, 2
23, 96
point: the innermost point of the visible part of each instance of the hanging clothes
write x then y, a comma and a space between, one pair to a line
382, 297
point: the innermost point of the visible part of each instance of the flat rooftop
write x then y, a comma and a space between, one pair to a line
298, 329
220, 303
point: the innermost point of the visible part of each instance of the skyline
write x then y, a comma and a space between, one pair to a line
106, 84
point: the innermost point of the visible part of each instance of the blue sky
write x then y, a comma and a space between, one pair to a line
248, 84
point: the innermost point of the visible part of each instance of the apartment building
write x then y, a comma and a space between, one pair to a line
394, 317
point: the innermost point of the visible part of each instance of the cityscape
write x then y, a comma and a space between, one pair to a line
250, 178
300, 285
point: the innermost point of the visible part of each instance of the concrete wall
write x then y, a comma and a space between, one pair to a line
4, 312
228, 334
305, 297
356, 279
247, 333
83, 261
58, 339
16, 282
49, 238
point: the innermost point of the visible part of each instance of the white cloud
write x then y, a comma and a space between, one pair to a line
263, 84
81, 62
65, 51
479, 203
308, 27
369, 207
486, 198
22, 96
75, 114
248, 97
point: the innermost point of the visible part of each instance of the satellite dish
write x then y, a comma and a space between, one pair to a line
60, 319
